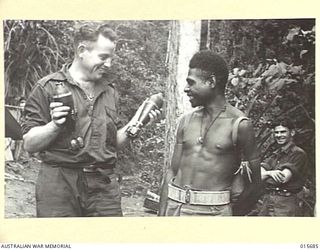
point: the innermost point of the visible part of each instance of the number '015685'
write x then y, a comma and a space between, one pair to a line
309, 246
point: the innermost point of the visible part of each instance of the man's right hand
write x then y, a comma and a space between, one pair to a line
39, 138
58, 113
276, 175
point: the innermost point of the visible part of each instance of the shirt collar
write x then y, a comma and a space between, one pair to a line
64, 75
286, 149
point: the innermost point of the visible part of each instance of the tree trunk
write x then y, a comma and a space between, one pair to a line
183, 43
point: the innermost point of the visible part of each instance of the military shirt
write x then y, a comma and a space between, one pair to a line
293, 158
96, 121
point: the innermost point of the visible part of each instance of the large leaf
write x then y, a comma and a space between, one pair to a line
292, 33
277, 84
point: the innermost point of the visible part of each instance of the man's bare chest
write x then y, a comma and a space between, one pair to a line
215, 139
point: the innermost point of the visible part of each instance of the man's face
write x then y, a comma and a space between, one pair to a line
96, 58
282, 135
198, 89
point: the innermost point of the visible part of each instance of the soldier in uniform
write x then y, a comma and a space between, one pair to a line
77, 174
283, 173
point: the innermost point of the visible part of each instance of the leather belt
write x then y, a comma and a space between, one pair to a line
279, 191
195, 197
94, 168
105, 172
87, 167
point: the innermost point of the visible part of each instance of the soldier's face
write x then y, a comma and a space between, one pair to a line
198, 88
96, 58
282, 135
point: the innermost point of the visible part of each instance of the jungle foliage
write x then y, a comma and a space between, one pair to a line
35, 48
272, 74
272, 77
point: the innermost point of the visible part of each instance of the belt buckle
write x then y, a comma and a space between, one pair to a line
187, 198
287, 193
90, 169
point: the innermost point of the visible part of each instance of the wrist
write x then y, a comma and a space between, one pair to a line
267, 173
54, 127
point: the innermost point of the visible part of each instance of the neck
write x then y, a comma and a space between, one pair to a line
286, 146
78, 73
216, 105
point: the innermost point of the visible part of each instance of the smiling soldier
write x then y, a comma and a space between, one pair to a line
77, 171
283, 173
200, 180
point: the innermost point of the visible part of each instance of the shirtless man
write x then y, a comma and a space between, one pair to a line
200, 180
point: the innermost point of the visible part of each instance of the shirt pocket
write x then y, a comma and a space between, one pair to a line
63, 141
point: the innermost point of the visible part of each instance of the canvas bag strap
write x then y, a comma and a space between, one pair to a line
236, 128
244, 166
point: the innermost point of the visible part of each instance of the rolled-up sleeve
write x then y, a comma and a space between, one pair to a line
296, 164
265, 165
37, 111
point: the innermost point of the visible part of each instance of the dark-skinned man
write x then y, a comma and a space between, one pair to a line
202, 177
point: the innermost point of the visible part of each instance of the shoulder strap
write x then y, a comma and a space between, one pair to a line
244, 166
235, 129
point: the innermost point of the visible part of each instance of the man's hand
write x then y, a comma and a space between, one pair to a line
154, 114
131, 130
58, 113
39, 138
277, 175
287, 175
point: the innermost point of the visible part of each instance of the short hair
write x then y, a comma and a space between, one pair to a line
284, 121
212, 64
91, 31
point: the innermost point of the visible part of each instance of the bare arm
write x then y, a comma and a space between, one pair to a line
285, 171
39, 138
171, 172
122, 138
278, 176
264, 174
250, 195
287, 174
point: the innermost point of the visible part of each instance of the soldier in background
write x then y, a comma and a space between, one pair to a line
283, 173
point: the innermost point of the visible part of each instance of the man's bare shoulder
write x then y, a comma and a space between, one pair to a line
195, 111
244, 125
233, 112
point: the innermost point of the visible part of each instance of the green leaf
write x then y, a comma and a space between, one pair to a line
297, 70
292, 33
242, 72
277, 84
303, 52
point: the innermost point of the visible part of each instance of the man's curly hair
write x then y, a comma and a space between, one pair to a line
212, 64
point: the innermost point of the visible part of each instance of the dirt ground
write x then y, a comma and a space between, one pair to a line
20, 179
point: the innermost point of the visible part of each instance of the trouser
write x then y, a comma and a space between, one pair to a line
175, 208
277, 205
70, 192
